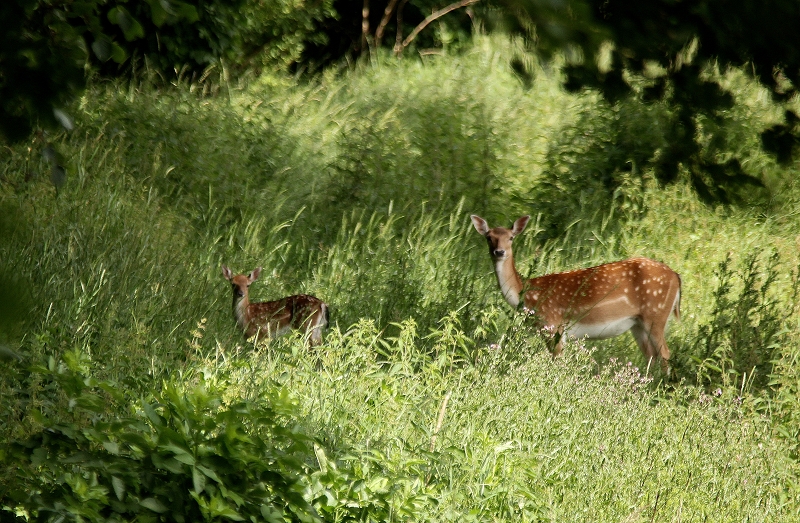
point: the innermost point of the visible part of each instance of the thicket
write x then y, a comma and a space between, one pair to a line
52, 47
127, 387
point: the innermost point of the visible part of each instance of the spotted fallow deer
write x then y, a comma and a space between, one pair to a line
637, 295
274, 318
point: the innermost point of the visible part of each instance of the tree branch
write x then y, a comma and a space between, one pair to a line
387, 13
365, 27
433, 16
398, 42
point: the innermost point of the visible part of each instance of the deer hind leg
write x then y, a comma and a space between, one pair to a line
315, 330
652, 344
557, 342
313, 326
322, 321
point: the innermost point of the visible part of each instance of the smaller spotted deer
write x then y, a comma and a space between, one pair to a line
637, 295
274, 318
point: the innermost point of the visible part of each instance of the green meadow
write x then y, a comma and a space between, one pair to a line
128, 394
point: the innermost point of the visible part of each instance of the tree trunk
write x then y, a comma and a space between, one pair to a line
387, 13
398, 42
365, 27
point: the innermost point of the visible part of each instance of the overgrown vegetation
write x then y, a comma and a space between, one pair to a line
128, 392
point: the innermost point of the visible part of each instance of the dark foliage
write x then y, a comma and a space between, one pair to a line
40, 66
681, 41
45, 53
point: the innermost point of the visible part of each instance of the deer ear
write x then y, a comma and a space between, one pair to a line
480, 224
254, 275
520, 224
226, 273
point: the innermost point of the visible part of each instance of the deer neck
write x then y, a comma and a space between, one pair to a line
241, 309
509, 280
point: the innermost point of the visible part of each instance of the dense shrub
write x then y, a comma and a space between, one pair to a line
749, 325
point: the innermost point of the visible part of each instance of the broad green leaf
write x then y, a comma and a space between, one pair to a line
91, 402
209, 472
184, 10
168, 436
102, 49
154, 505
78, 457
185, 457
129, 25
198, 480
272, 514
151, 414
113, 391
136, 440
112, 447
219, 507
157, 12
119, 487
118, 53
39, 456
166, 463
37, 416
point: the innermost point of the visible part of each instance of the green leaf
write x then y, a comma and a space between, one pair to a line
40, 418
152, 415
91, 402
130, 27
166, 463
157, 12
119, 487
219, 507
102, 49
113, 391
112, 447
154, 505
198, 480
136, 440
209, 473
118, 53
184, 10
78, 457
271, 514
184, 457
39, 456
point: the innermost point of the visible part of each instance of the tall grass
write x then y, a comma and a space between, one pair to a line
521, 437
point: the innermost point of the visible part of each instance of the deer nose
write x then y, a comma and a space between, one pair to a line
499, 253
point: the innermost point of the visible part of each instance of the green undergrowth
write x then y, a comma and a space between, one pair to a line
518, 436
365, 428
127, 391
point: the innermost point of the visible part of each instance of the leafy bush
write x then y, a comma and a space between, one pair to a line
188, 454
598, 158
748, 325
783, 406
44, 54
180, 455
